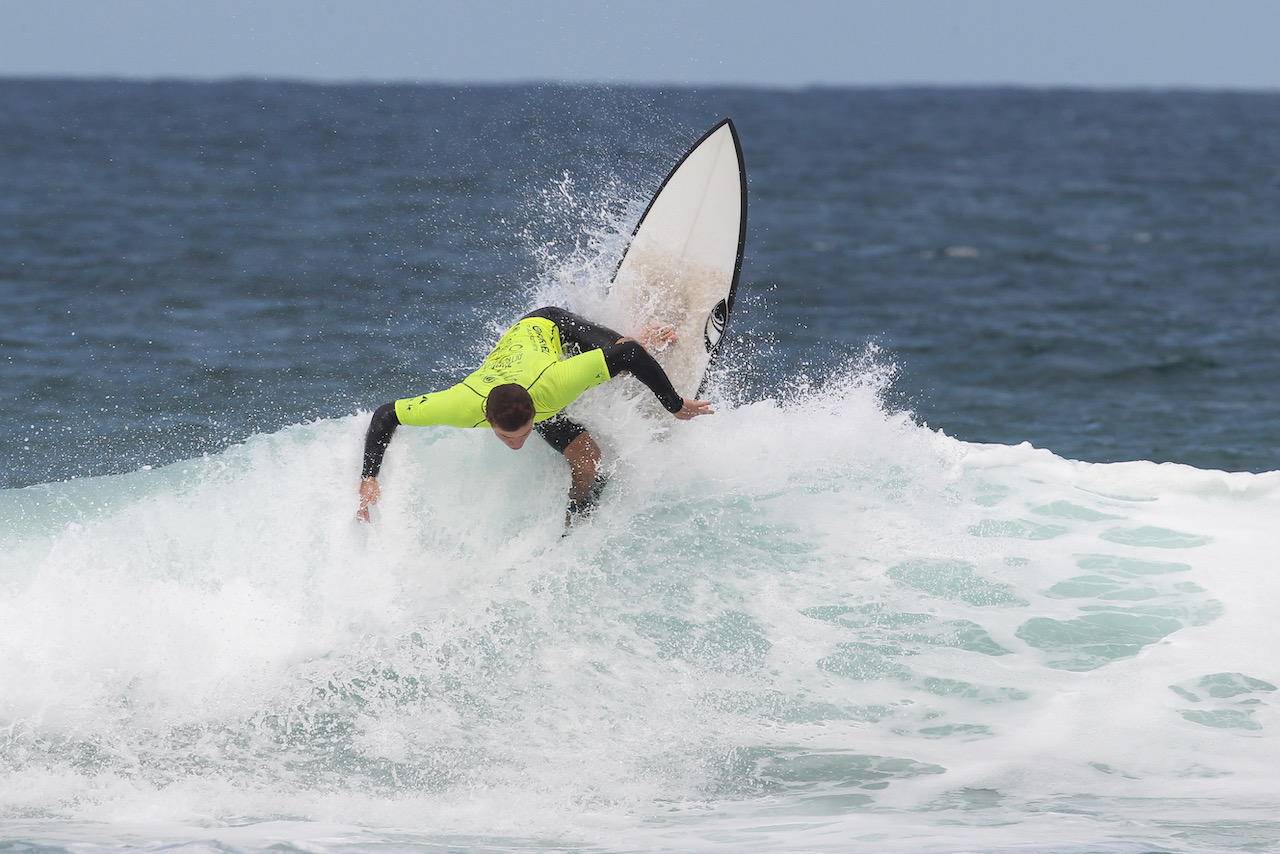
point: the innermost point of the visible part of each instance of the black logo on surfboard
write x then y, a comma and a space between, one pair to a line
714, 330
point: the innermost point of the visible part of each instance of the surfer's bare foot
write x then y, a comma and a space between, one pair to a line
657, 337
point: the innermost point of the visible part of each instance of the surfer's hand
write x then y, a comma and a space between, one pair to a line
693, 408
368, 497
657, 337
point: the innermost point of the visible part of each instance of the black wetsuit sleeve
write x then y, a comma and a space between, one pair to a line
630, 356
382, 426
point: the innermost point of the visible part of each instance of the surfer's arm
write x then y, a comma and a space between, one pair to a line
627, 355
457, 406
382, 426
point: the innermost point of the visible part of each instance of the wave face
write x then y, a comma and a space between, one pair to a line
800, 622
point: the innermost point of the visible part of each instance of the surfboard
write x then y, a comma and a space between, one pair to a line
682, 264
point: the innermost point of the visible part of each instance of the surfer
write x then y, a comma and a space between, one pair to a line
541, 365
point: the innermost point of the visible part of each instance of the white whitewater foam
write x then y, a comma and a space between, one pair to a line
798, 623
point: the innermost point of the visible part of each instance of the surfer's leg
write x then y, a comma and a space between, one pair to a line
583, 455
576, 330
587, 483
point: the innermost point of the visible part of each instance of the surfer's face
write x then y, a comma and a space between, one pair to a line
514, 439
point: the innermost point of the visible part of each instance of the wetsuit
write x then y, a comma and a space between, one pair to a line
555, 355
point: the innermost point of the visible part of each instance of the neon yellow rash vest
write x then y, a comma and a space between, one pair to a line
530, 354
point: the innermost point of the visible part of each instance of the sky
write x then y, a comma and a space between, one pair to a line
1201, 44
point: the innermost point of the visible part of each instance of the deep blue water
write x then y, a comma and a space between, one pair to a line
185, 265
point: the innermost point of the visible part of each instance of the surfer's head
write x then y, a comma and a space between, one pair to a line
509, 410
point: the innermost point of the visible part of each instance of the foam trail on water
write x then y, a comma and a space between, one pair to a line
799, 621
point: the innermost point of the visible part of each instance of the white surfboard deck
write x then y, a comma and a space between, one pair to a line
682, 265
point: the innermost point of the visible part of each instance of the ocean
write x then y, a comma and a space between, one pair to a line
977, 554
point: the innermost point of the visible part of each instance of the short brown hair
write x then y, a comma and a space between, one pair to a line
509, 406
